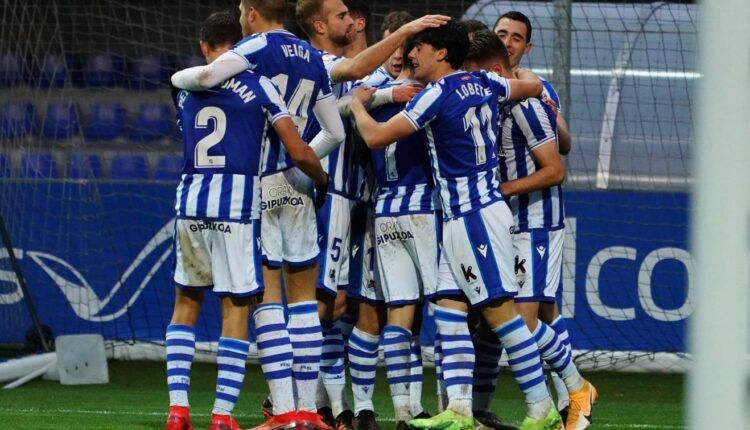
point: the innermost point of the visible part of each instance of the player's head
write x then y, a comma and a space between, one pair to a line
361, 14
487, 52
218, 33
514, 29
326, 19
255, 12
438, 51
473, 25
392, 22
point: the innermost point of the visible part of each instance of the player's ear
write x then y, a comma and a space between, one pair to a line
442, 54
528, 47
319, 26
204, 49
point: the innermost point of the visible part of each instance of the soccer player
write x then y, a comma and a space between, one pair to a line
217, 230
531, 171
406, 251
289, 231
514, 29
331, 29
458, 112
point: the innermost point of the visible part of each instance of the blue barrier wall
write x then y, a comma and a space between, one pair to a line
97, 258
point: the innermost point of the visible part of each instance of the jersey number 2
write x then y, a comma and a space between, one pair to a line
202, 159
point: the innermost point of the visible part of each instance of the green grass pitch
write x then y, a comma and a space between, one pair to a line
136, 398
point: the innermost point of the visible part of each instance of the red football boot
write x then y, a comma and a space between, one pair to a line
179, 418
312, 420
223, 422
279, 422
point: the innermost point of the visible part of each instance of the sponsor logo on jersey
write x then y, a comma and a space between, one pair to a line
223, 227
283, 195
391, 230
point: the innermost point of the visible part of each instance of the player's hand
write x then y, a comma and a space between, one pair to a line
551, 103
404, 93
321, 191
423, 23
363, 94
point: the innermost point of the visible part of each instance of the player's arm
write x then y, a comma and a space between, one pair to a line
332, 132
526, 85
364, 63
397, 94
303, 155
551, 172
203, 77
564, 139
378, 134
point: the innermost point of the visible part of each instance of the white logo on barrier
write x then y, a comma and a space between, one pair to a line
82, 298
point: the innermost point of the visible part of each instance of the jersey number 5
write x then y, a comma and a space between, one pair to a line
202, 159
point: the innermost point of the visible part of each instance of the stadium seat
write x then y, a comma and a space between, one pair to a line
61, 121
129, 166
18, 119
84, 166
4, 166
106, 121
169, 167
103, 70
11, 69
148, 72
153, 122
55, 70
38, 165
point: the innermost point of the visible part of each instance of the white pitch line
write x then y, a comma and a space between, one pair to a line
599, 424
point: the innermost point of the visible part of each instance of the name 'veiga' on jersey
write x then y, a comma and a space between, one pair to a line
225, 132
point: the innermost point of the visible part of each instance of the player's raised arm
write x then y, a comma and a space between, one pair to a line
378, 134
564, 139
526, 85
361, 65
208, 76
302, 154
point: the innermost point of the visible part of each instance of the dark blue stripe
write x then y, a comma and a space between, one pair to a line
277, 358
261, 330
277, 374
448, 338
226, 397
397, 353
174, 328
247, 197
178, 387
273, 343
297, 345
539, 264
307, 359
225, 197
510, 327
396, 330
559, 368
225, 342
202, 207
527, 370
180, 357
323, 219
442, 315
186, 183
332, 370
405, 379
520, 153
518, 360
529, 384
360, 367
363, 344
395, 367
362, 354
521, 346
231, 383
231, 369
305, 376
488, 266
304, 330
453, 351
178, 371
181, 342
303, 308
336, 355
459, 380
225, 353
460, 365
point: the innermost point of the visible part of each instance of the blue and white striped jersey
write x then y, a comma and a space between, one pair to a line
297, 69
460, 116
340, 163
376, 79
402, 169
550, 92
527, 125
225, 131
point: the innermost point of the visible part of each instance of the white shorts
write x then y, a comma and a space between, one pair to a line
538, 264
222, 255
479, 251
334, 226
407, 256
364, 279
288, 227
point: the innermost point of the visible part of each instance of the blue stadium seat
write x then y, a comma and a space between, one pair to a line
55, 70
11, 69
4, 166
106, 121
169, 167
61, 121
148, 72
103, 70
129, 166
84, 166
18, 119
38, 165
153, 122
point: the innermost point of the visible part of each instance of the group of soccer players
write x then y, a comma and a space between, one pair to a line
363, 181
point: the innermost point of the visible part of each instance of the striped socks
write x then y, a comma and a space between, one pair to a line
363, 361
307, 341
230, 358
397, 350
458, 358
275, 355
180, 342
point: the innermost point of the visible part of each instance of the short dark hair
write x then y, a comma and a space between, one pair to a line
306, 12
359, 8
486, 46
515, 15
452, 37
395, 20
474, 25
221, 28
272, 10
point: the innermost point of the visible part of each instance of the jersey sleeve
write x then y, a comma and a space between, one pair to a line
271, 100
327, 61
536, 121
424, 107
500, 86
249, 49
550, 92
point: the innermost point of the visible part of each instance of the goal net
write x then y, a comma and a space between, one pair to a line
89, 157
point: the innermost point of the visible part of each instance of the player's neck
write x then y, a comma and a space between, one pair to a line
265, 26
442, 69
405, 75
327, 45
358, 45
